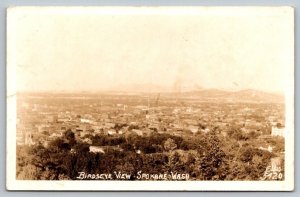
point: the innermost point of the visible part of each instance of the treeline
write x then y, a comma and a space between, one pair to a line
203, 156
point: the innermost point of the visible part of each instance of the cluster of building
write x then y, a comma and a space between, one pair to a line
41, 120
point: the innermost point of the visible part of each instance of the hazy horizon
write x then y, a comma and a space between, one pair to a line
145, 92
91, 50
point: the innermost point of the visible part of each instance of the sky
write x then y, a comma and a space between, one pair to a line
100, 49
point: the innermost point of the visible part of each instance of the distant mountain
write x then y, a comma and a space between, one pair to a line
152, 88
205, 95
139, 88
230, 96
260, 96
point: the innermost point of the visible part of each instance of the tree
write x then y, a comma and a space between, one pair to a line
213, 160
170, 144
70, 136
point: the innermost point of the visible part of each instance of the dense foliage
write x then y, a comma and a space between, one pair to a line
204, 156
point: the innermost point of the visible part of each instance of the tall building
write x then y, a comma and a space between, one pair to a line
276, 131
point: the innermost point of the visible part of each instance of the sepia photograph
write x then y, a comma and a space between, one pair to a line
150, 98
